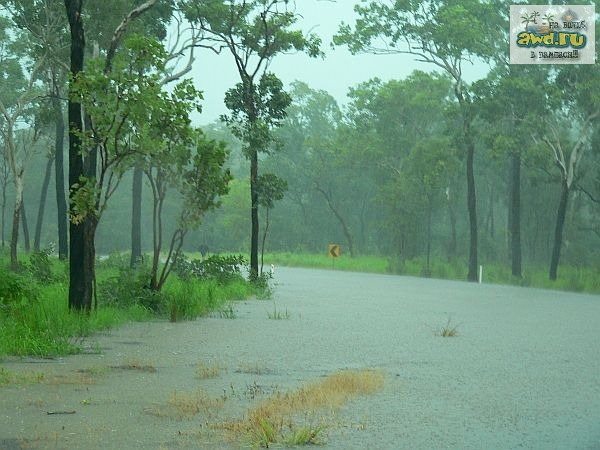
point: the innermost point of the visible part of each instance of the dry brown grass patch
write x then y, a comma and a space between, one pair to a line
8, 377
134, 364
208, 370
329, 393
269, 421
185, 405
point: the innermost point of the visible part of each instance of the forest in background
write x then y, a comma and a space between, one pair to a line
387, 173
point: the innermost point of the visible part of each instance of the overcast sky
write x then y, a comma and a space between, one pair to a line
337, 72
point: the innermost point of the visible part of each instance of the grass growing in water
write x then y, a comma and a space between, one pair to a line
275, 420
206, 370
185, 405
277, 314
448, 330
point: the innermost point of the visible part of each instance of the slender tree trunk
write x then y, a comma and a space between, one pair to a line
3, 212
472, 207
429, 213
264, 239
25, 224
42, 207
254, 214
59, 176
336, 213
136, 216
514, 215
158, 196
558, 230
14, 239
452, 244
90, 226
80, 281
490, 221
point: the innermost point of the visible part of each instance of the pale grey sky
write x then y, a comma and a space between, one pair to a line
336, 73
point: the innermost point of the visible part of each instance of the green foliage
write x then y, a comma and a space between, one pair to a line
42, 266
257, 27
35, 320
270, 188
129, 287
261, 286
431, 31
362, 263
180, 302
253, 125
222, 269
18, 294
264, 433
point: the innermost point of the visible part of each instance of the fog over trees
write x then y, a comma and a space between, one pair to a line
427, 167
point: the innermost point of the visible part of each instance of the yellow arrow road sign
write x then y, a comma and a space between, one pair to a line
334, 250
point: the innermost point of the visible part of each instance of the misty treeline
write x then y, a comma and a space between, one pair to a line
100, 153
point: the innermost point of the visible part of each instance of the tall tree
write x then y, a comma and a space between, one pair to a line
44, 34
136, 216
310, 126
444, 33
253, 32
192, 165
320, 157
42, 204
80, 275
85, 203
581, 101
18, 104
511, 101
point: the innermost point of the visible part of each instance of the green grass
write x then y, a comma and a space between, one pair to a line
45, 327
570, 278
277, 314
374, 264
35, 319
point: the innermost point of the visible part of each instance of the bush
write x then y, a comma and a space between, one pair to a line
130, 287
40, 265
223, 269
17, 294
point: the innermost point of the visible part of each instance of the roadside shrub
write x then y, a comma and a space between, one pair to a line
223, 269
40, 265
181, 302
18, 294
130, 287
262, 286
115, 260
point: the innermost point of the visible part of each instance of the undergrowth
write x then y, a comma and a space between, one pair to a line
35, 318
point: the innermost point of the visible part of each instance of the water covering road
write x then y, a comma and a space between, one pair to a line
524, 371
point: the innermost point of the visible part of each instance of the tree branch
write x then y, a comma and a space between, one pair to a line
121, 29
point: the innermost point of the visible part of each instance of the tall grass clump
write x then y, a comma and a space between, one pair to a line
38, 321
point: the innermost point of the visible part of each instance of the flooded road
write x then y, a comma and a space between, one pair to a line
522, 372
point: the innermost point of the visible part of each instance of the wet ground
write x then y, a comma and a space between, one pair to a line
523, 372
